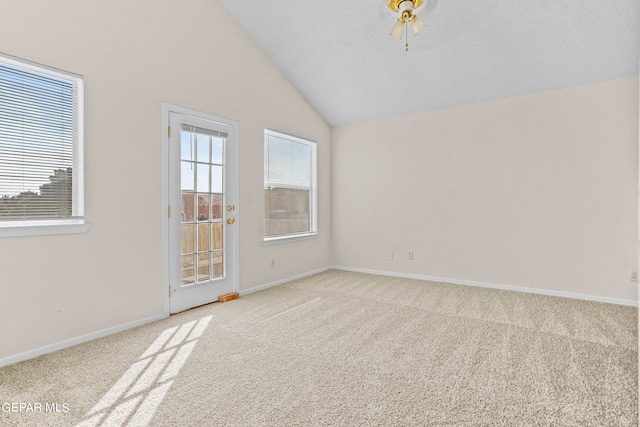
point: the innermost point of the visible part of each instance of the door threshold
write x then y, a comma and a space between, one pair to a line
193, 308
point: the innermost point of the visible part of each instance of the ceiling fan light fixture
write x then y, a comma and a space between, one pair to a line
397, 30
407, 18
417, 26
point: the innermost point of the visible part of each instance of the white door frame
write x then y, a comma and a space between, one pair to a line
234, 187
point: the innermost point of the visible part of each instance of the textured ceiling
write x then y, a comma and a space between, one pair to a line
341, 58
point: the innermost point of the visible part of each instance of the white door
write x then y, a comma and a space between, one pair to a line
202, 209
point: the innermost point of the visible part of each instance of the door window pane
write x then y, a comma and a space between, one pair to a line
216, 179
188, 238
203, 178
217, 152
218, 265
216, 206
204, 237
187, 176
188, 210
203, 207
204, 267
186, 146
203, 148
217, 236
188, 269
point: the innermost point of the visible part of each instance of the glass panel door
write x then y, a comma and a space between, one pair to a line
202, 232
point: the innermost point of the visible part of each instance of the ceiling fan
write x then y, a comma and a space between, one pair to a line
407, 18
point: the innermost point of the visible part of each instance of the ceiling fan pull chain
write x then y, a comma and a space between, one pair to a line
406, 36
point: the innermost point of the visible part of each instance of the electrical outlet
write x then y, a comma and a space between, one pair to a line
634, 276
273, 262
390, 256
410, 255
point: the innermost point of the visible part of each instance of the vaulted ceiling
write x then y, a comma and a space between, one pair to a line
341, 58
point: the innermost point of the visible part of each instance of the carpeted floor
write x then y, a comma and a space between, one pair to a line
347, 349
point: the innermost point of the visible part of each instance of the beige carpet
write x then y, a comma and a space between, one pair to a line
348, 349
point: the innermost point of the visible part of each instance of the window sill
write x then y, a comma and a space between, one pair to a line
286, 239
42, 228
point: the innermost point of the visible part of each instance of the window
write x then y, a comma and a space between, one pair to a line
41, 143
289, 186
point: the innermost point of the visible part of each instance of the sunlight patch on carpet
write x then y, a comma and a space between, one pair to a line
135, 397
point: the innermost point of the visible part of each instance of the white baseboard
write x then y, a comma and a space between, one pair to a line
280, 282
631, 303
75, 341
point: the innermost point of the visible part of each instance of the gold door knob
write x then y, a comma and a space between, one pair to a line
231, 221
230, 208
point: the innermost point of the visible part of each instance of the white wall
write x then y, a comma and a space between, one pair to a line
134, 56
536, 191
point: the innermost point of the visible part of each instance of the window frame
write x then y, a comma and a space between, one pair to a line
313, 193
55, 226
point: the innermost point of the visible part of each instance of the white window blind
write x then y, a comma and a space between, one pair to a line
289, 182
287, 163
41, 142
